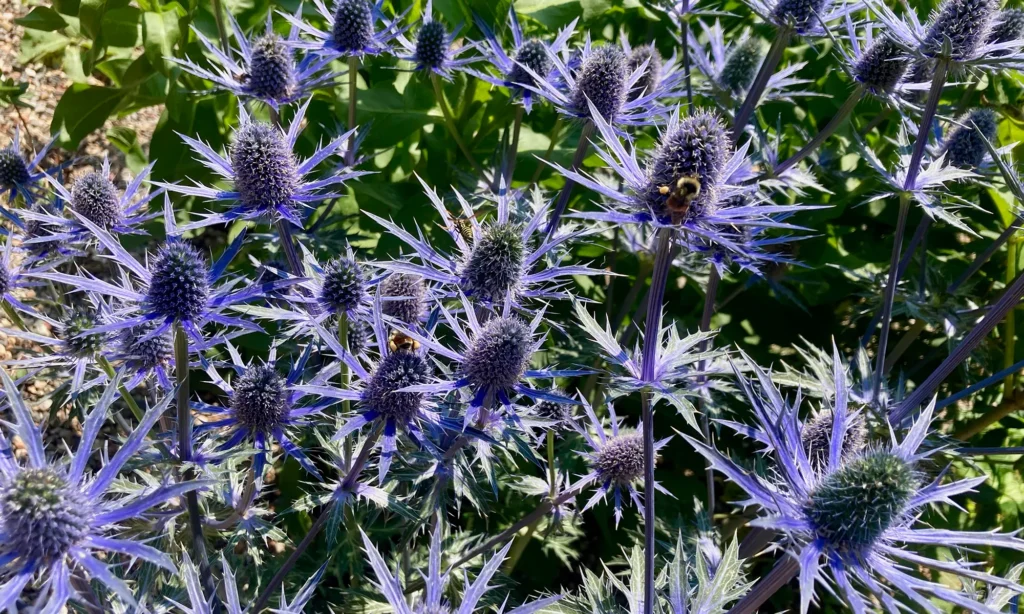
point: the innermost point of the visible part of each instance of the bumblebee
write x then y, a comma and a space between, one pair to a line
686, 190
400, 341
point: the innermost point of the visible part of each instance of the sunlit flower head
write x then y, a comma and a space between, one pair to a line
965, 145
21, 176
433, 49
803, 17
355, 28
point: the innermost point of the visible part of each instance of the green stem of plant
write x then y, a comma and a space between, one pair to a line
771, 61
710, 294
556, 131
523, 539
450, 123
830, 128
344, 372
924, 130
222, 30
780, 575
890, 293
13, 316
513, 148
904, 344
563, 197
128, 399
353, 80
1010, 324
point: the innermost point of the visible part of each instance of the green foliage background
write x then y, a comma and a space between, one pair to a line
123, 44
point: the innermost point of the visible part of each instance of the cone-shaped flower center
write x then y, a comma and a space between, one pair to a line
651, 76
500, 354
179, 287
621, 460
432, 44
399, 369
960, 28
553, 410
12, 168
408, 297
601, 80
5, 280
687, 167
496, 263
147, 353
534, 56
741, 65
271, 69
966, 147
343, 285
353, 25
800, 14
1009, 26
856, 504
73, 334
259, 399
42, 516
95, 198
265, 172
360, 336
817, 438
882, 66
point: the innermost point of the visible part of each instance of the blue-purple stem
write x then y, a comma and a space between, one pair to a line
563, 197
785, 570
353, 80
890, 295
984, 256
652, 325
710, 294
768, 66
930, 106
284, 231
988, 381
1010, 298
823, 134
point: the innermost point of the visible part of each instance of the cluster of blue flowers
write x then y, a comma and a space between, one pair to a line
438, 364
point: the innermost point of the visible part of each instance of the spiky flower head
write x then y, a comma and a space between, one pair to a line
432, 44
496, 263
5, 280
882, 66
265, 171
855, 505
94, 197
959, 28
601, 79
408, 295
500, 354
741, 66
966, 145
74, 333
147, 350
13, 170
179, 288
533, 55
1009, 26
621, 459
272, 68
798, 14
559, 412
259, 400
397, 370
652, 73
689, 159
353, 25
42, 517
817, 438
359, 336
344, 285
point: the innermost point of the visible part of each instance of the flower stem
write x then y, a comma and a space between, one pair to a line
906, 341
890, 294
450, 123
184, 411
563, 197
222, 30
684, 27
128, 399
522, 540
983, 257
780, 575
513, 149
353, 79
710, 292
556, 131
1010, 325
771, 61
284, 232
833, 124
13, 316
930, 106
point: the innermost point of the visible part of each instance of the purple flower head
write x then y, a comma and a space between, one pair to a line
263, 67
59, 519
432, 601
344, 286
1008, 26
269, 181
803, 17
145, 354
22, 176
404, 298
880, 64
355, 28
850, 518
959, 28
965, 147
434, 49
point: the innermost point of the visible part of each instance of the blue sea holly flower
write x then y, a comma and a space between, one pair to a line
355, 28
434, 49
878, 62
263, 404
341, 286
433, 601
615, 461
965, 146
1008, 26
144, 354
803, 17
21, 176
268, 181
201, 604
498, 256
59, 519
852, 521
13, 277
262, 68
662, 78
531, 53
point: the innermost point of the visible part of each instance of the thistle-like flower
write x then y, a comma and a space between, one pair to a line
201, 604
1008, 26
498, 257
803, 17
262, 68
528, 55
13, 277
878, 63
144, 354
965, 147
433, 49
58, 519
404, 297
433, 602
859, 510
355, 28
21, 176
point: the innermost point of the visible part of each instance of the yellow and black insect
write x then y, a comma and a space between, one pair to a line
401, 341
464, 226
686, 190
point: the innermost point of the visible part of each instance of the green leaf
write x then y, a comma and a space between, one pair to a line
160, 32
127, 141
73, 64
38, 45
121, 26
84, 108
90, 13
42, 18
66, 7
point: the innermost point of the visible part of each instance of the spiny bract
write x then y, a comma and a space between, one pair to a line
409, 293
432, 44
533, 55
179, 287
258, 399
966, 146
882, 66
265, 172
621, 459
601, 80
651, 76
698, 149
94, 197
959, 28
13, 170
42, 516
397, 370
500, 353
353, 25
495, 264
343, 285
853, 506
741, 66
271, 69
